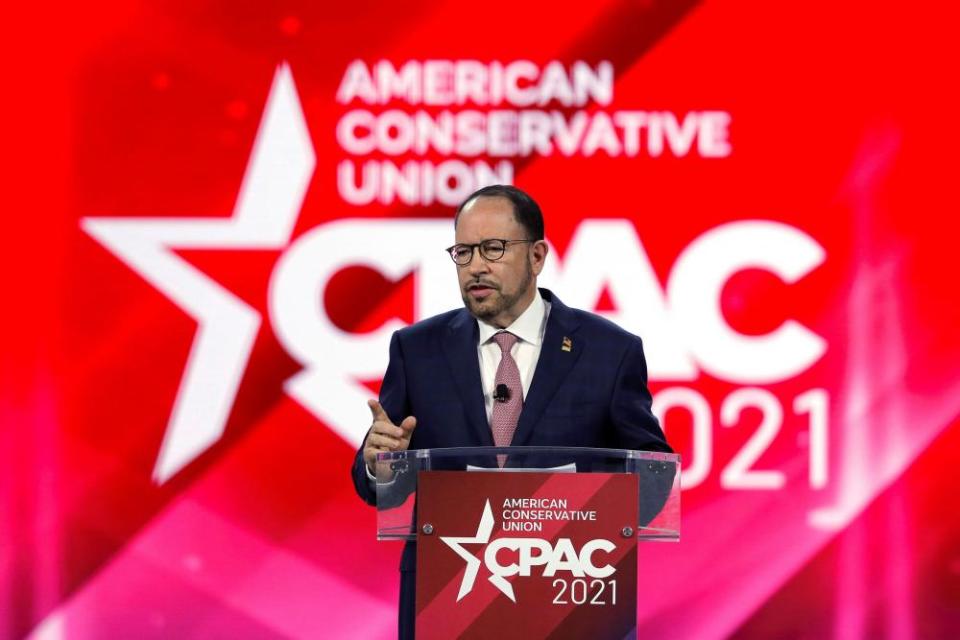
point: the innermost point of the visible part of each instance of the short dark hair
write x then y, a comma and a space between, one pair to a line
525, 210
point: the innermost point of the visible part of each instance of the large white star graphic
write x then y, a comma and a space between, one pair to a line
473, 562
271, 194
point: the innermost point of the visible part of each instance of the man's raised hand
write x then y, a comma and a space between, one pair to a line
384, 435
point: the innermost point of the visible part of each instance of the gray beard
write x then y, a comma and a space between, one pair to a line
504, 301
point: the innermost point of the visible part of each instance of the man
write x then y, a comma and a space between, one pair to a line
515, 367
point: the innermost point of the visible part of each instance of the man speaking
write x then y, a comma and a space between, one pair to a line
515, 367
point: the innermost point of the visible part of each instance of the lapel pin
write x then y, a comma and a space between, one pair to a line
567, 344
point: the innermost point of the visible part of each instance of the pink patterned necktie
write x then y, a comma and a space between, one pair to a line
506, 413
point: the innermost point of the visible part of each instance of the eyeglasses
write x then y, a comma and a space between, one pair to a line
491, 250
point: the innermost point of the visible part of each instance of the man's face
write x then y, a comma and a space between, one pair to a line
497, 292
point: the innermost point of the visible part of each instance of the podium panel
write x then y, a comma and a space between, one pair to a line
527, 542
657, 476
526, 555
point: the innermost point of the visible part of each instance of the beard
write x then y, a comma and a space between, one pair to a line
498, 301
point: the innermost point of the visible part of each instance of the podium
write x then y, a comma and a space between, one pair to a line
527, 542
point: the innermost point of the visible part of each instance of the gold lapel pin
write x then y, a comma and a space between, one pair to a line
567, 344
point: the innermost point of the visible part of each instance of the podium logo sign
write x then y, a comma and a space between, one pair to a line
546, 555
531, 552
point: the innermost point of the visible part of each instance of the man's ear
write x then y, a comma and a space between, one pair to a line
539, 250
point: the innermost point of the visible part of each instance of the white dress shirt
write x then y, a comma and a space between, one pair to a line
529, 328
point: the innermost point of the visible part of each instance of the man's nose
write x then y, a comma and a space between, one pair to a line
478, 265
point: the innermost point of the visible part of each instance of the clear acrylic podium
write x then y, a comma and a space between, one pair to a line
657, 476
527, 542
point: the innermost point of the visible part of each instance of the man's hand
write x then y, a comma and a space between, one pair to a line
384, 435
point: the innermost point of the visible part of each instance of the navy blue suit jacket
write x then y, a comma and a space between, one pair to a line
592, 395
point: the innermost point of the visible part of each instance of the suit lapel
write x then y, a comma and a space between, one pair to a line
560, 351
460, 348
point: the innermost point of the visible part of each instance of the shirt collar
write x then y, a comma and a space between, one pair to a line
528, 327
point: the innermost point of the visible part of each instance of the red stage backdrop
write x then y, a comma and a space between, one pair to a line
221, 211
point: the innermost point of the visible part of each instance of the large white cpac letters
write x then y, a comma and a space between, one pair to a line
696, 283
683, 332
609, 253
334, 360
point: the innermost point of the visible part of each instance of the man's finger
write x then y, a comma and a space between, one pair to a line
377, 411
408, 424
387, 429
381, 441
